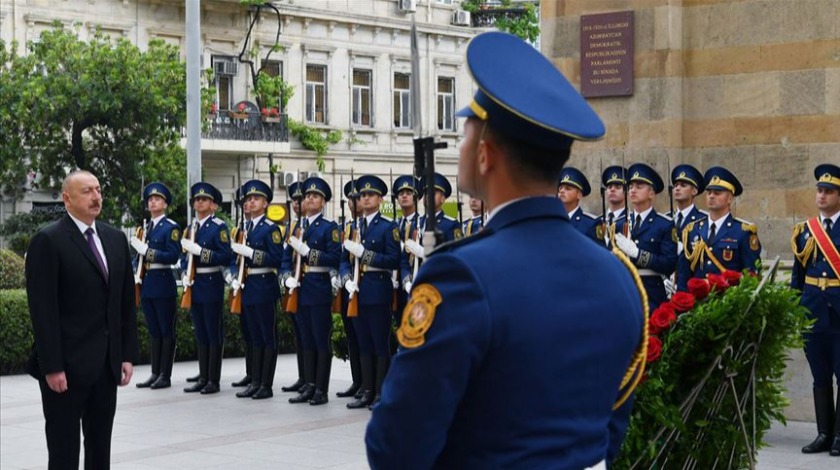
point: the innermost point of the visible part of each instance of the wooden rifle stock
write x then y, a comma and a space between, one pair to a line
236, 294
186, 298
141, 271
292, 298
353, 304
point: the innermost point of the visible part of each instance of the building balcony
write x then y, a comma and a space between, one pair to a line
248, 133
487, 18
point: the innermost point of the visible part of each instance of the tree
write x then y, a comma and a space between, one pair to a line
103, 106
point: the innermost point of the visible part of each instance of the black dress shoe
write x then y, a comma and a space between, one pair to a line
161, 382
263, 392
148, 383
319, 398
248, 392
821, 444
306, 394
358, 393
196, 387
363, 401
194, 379
242, 383
295, 387
350, 392
835, 446
374, 402
211, 387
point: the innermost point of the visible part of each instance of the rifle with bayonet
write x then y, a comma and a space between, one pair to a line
186, 298
353, 304
140, 272
292, 297
241, 237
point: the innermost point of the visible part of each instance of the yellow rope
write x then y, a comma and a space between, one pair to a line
807, 250
637, 366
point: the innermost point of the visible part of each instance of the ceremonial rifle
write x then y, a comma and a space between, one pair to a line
353, 305
186, 299
141, 271
603, 189
236, 294
626, 185
292, 300
459, 203
671, 191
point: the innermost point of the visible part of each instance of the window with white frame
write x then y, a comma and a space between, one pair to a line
446, 103
224, 69
274, 68
445, 2
362, 98
402, 100
316, 94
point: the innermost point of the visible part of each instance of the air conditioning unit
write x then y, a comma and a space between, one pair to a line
407, 6
286, 178
308, 174
225, 67
461, 18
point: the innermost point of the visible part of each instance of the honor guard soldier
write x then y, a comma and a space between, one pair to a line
650, 239
378, 253
407, 189
159, 251
615, 184
208, 242
295, 195
233, 273
720, 242
572, 189
688, 183
472, 226
467, 330
816, 272
261, 290
318, 247
349, 331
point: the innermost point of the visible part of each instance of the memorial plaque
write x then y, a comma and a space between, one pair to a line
606, 54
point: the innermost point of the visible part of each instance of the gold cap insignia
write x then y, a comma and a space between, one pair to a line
367, 185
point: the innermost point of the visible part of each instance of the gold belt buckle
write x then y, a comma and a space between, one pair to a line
822, 283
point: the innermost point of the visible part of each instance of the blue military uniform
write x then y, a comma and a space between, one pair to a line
353, 355
819, 281
655, 236
472, 226
604, 223
208, 290
314, 316
405, 225
450, 227
734, 246
158, 292
294, 193
475, 341
381, 241
584, 222
260, 293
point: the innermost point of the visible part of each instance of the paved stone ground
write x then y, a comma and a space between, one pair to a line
170, 429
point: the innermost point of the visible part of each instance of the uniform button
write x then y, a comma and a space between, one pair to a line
708, 262
824, 274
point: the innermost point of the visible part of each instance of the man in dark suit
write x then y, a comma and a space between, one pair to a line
80, 288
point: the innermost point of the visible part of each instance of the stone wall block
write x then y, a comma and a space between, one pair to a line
802, 92
704, 97
752, 94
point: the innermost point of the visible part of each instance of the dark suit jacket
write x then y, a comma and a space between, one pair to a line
80, 320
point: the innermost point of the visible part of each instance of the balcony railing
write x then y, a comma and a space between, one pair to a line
252, 128
487, 18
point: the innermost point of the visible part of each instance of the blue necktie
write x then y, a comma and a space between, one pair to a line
92, 245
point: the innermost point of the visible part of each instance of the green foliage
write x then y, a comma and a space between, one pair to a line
16, 332
526, 25
19, 228
270, 90
11, 270
314, 139
99, 105
338, 338
745, 342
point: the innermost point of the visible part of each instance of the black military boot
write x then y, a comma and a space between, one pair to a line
154, 353
256, 371
295, 387
203, 364
366, 396
214, 371
824, 406
194, 378
835, 445
308, 388
167, 357
382, 364
247, 379
355, 372
268, 366
322, 379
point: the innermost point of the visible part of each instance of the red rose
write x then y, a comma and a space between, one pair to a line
718, 282
241, 107
732, 277
662, 318
213, 108
275, 112
654, 349
699, 288
682, 301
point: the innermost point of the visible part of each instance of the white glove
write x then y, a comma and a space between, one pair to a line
670, 288
336, 284
626, 245
137, 279
299, 246
235, 285
243, 250
228, 278
139, 246
394, 282
351, 287
190, 246
355, 248
185, 281
407, 287
292, 283
415, 248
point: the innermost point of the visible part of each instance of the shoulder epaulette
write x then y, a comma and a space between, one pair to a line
171, 221
386, 218
459, 242
665, 216
452, 219
590, 215
703, 212
746, 225
268, 222
217, 221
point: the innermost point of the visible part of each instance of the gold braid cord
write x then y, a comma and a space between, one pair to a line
808, 250
637, 366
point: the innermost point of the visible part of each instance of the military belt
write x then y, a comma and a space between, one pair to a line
211, 270
822, 282
151, 266
315, 269
371, 269
648, 272
252, 271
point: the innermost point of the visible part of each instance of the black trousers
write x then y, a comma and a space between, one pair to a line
94, 407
